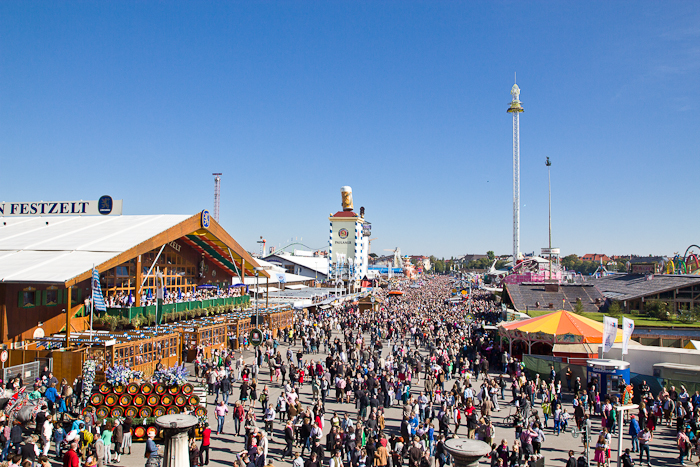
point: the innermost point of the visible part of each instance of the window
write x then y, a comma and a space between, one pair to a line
122, 271
28, 298
51, 297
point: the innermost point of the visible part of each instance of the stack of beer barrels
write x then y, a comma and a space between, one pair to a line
144, 401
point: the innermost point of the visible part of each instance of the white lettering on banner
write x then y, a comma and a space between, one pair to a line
104, 206
174, 246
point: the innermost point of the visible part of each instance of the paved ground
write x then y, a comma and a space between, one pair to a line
555, 448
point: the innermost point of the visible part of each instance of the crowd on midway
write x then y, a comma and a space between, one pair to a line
418, 354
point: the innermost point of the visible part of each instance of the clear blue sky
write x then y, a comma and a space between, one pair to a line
404, 101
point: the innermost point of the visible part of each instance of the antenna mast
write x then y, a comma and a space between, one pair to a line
217, 194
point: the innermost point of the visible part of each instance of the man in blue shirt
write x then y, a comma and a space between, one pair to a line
634, 432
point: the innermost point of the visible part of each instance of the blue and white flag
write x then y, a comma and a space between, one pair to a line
97, 298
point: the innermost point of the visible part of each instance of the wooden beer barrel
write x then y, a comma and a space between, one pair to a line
102, 412
104, 388
146, 388
131, 411
139, 400
173, 410
139, 431
133, 388
125, 400
194, 400
117, 412
153, 400
181, 400
160, 388
145, 411
166, 400
187, 389
200, 411
152, 430
111, 399
119, 389
159, 411
97, 399
174, 390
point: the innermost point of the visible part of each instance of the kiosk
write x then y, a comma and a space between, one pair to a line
609, 373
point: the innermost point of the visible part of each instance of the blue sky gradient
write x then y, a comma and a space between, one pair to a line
404, 101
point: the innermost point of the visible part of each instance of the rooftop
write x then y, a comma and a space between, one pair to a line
59, 249
630, 286
527, 295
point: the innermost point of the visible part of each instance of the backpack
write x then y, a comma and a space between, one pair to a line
581, 462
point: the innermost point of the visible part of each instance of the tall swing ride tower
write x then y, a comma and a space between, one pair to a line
516, 108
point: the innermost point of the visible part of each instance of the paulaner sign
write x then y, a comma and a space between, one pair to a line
104, 206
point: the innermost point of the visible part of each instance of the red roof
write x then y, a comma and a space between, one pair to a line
344, 214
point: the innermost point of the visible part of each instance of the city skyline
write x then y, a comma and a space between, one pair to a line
404, 101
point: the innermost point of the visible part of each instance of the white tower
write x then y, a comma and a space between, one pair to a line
217, 194
515, 108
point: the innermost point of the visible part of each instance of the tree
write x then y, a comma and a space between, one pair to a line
491, 255
578, 306
615, 309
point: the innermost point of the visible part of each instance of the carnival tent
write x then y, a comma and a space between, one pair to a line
559, 327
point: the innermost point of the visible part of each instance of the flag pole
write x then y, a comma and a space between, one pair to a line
92, 299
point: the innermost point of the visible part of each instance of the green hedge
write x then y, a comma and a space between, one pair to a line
134, 311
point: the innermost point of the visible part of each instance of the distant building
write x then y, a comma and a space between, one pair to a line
528, 296
647, 264
313, 267
596, 258
634, 290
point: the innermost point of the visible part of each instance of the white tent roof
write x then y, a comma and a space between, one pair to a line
56, 249
315, 263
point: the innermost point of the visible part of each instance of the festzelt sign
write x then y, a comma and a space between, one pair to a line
105, 206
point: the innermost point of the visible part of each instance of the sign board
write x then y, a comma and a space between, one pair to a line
366, 229
3, 356
206, 219
105, 206
342, 241
550, 251
255, 337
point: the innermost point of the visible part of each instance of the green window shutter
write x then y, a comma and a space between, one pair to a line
43, 297
37, 297
60, 296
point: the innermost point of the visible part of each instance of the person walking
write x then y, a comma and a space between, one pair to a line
221, 411
634, 431
644, 440
204, 448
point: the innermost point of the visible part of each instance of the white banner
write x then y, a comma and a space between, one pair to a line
105, 206
627, 331
609, 333
160, 286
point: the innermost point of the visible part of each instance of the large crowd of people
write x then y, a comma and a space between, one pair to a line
420, 355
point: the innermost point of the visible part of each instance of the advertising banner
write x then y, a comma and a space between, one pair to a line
609, 333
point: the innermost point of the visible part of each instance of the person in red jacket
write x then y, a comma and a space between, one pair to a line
70, 458
206, 441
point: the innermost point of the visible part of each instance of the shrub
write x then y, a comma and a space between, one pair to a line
615, 309
659, 310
